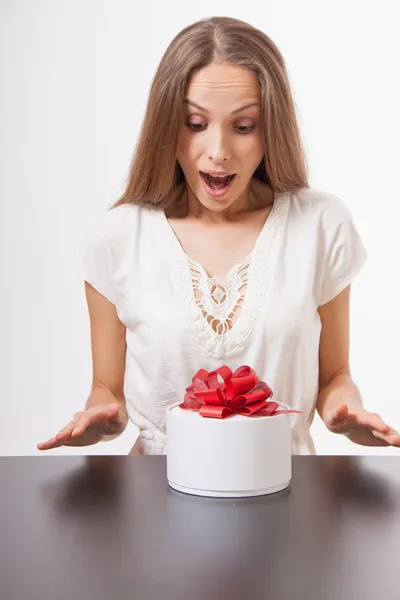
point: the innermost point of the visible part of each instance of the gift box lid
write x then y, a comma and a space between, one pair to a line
183, 413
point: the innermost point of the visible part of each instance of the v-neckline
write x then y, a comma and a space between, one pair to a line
201, 268
215, 344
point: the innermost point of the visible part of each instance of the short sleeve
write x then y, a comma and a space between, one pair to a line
94, 261
343, 250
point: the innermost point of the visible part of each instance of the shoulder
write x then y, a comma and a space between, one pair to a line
114, 222
327, 227
121, 227
106, 252
321, 208
113, 234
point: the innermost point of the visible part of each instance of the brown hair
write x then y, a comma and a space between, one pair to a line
155, 176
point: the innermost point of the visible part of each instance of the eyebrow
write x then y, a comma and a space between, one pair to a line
234, 112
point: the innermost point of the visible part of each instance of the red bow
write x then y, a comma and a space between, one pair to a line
241, 392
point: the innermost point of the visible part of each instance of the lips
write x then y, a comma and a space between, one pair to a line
217, 173
217, 187
210, 179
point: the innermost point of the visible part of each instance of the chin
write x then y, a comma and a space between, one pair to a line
215, 205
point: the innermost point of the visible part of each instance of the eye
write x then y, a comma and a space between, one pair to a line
194, 125
247, 128
242, 129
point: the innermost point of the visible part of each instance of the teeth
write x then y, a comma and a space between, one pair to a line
218, 176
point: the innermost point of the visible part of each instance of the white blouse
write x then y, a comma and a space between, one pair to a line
265, 311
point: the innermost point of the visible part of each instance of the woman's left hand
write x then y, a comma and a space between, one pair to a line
361, 427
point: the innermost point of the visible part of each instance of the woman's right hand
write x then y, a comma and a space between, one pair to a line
95, 424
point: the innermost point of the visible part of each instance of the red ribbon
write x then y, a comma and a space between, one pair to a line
221, 394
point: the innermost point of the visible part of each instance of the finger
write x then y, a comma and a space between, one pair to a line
92, 417
366, 419
391, 439
49, 444
59, 439
65, 433
380, 426
113, 409
81, 423
97, 416
337, 416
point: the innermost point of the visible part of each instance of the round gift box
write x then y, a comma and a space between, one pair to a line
233, 457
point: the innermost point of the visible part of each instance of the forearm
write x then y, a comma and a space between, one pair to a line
341, 389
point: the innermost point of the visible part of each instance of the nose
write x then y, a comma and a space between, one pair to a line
218, 147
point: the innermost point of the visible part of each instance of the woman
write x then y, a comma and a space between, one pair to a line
219, 252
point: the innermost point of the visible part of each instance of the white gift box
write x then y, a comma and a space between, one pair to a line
233, 457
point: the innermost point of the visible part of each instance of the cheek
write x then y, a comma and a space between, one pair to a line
186, 148
250, 148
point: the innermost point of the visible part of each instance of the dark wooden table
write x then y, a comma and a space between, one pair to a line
109, 528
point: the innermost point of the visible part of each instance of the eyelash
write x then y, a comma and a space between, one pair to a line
249, 128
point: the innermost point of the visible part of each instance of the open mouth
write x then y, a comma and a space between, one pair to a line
217, 183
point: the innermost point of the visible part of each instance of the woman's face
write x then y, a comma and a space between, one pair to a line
219, 134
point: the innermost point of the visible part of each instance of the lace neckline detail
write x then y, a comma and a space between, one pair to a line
220, 299
223, 310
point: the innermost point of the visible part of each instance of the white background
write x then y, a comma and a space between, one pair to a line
75, 76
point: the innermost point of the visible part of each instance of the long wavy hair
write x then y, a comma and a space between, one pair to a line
155, 177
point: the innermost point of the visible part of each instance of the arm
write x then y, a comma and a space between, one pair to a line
339, 403
335, 382
105, 416
108, 344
